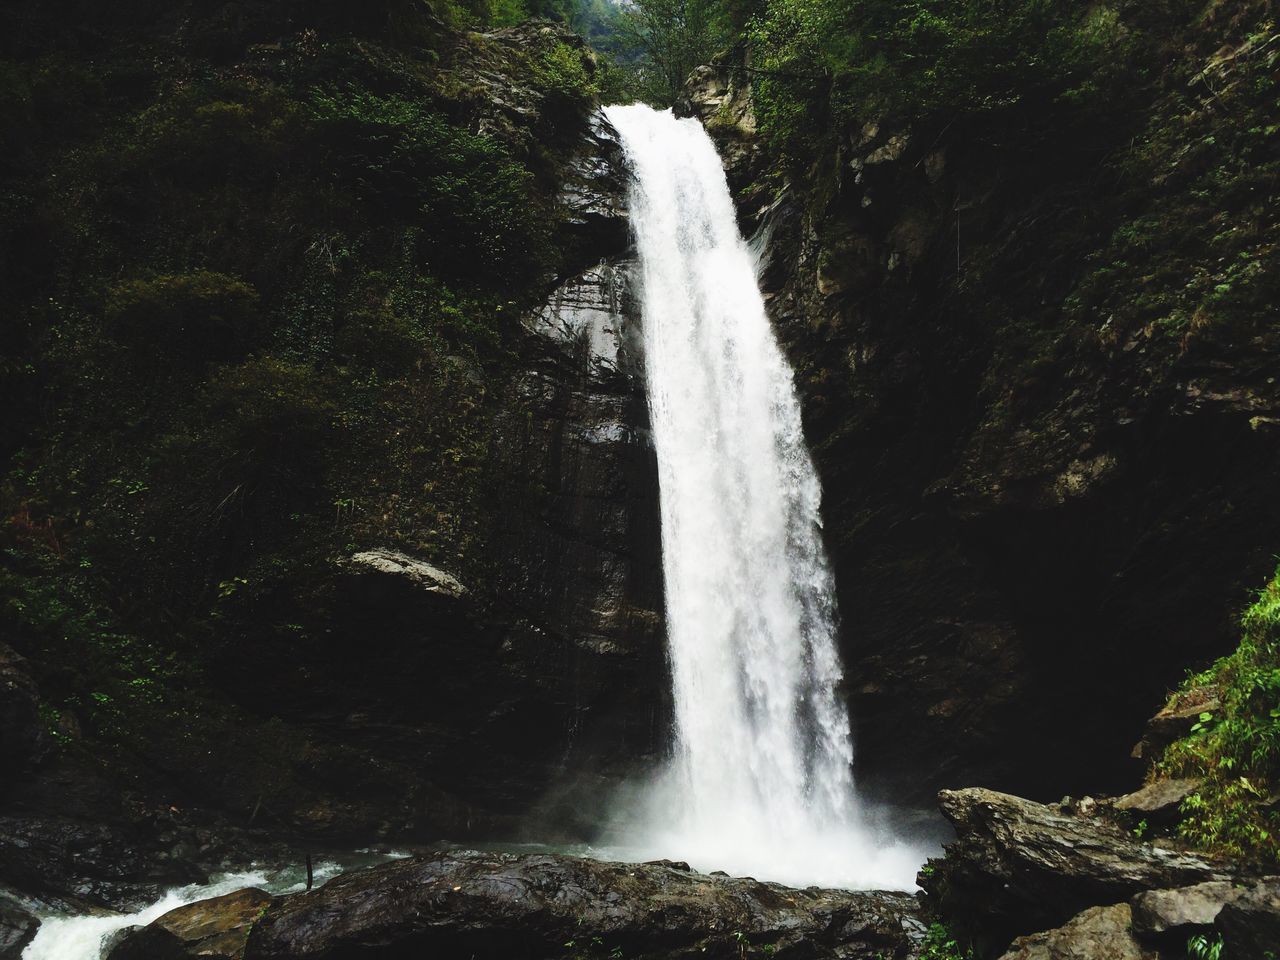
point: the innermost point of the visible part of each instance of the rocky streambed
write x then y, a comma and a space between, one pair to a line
1021, 881
474, 904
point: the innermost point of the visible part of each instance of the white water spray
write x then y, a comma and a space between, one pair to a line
761, 779
81, 937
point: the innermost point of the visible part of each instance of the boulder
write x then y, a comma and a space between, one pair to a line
1023, 866
1175, 721
485, 905
143, 943
17, 927
1099, 933
1181, 912
217, 927
1250, 923
418, 573
1158, 801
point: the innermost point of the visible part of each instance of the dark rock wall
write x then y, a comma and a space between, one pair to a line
1041, 509
510, 705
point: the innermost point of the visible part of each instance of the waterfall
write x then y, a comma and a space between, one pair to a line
760, 780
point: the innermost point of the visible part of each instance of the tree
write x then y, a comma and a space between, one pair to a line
673, 37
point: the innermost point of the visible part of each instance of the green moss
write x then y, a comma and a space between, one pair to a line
1235, 749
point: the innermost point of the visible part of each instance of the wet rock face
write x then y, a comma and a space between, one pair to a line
1097, 932
501, 906
593, 194
582, 545
510, 699
17, 927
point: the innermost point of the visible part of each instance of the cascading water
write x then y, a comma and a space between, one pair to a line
761, 777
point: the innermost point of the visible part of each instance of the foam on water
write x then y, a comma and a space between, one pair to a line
81, 937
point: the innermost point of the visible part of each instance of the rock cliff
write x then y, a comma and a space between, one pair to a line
1040, 392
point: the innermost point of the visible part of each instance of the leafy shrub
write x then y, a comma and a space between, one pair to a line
476, 203
1201, 947
1236, 750
272, 417
566, 72
381, 339
209, 132
821, 64
195, 316
939, 944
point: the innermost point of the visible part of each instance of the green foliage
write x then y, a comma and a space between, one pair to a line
566, 72
209, 131
1200, 269
197, 316
54, 611
939, 944
670, 38
822, 65
1201, 947
399, 154
598, 22
1236, 750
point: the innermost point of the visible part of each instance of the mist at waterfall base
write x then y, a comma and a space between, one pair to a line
760, 781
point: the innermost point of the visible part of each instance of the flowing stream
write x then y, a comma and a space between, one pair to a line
81, 937
761, 778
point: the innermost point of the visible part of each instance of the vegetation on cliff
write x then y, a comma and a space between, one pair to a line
262, 266
822, 67
262, 272
1234, 748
